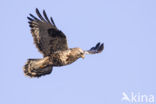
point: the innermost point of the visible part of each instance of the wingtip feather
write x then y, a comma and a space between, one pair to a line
101, 48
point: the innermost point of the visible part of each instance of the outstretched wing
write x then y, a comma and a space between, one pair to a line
96, 49
47, 37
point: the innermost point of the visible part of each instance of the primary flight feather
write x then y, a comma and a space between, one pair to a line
52, 43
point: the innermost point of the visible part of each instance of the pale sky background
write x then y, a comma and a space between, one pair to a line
128, 63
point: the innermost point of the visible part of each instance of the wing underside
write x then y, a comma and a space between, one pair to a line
47, 37
96, 49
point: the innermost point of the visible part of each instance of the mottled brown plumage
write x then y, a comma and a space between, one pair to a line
52, 43
47, 37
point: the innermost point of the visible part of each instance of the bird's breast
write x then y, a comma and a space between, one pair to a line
63, 58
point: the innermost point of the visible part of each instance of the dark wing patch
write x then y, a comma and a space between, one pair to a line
55, 33
47, 37
96, 49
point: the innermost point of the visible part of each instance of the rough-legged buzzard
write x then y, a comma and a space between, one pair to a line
52, 43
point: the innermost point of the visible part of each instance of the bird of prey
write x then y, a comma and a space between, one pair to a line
52, 43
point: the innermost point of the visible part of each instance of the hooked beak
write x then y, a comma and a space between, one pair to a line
83, 56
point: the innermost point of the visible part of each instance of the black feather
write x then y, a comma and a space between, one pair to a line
101, 48
39, 15
34, 17
55, 33
29, 18
97, 49
52, 21
97, 45
46, 17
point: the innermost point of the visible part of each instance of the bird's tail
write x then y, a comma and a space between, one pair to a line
37, 67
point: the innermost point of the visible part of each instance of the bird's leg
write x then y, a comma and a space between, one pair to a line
39, 63
44, 62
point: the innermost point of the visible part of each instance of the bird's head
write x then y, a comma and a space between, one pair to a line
79, 52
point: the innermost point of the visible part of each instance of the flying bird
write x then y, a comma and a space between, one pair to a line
52, 43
